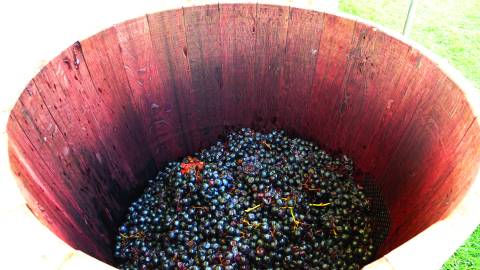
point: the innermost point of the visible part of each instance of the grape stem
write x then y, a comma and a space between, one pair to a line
319, 204
295, 221
253, 208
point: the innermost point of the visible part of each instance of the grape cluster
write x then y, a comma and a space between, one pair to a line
255, 201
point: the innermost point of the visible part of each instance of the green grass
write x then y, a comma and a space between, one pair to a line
450, 28
468, 255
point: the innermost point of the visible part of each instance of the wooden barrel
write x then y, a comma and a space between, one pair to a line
108, 112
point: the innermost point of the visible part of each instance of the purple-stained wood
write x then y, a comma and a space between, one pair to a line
167, 31
154, 100
102, 55
45, 155
238, 34
331, 68
303, 37
45, 207
270, 43
425, 152
204, 53
74, 146
399, 84
359, 89
104, 115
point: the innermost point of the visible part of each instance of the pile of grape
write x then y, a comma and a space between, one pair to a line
254, 201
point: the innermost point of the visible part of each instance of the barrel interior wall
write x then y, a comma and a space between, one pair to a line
109, 111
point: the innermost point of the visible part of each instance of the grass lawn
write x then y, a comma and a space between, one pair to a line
450, 28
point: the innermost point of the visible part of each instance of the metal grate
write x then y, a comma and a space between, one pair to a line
379, 213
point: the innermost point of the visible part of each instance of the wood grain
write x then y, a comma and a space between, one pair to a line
204, 46
330, 71
303, 38
167, 32
154, 102
238, 34
121, 120
271, 30
40, 157
428, 152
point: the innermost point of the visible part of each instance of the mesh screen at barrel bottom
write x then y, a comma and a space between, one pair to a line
379, 213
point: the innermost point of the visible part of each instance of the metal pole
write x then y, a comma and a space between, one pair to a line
408, 21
